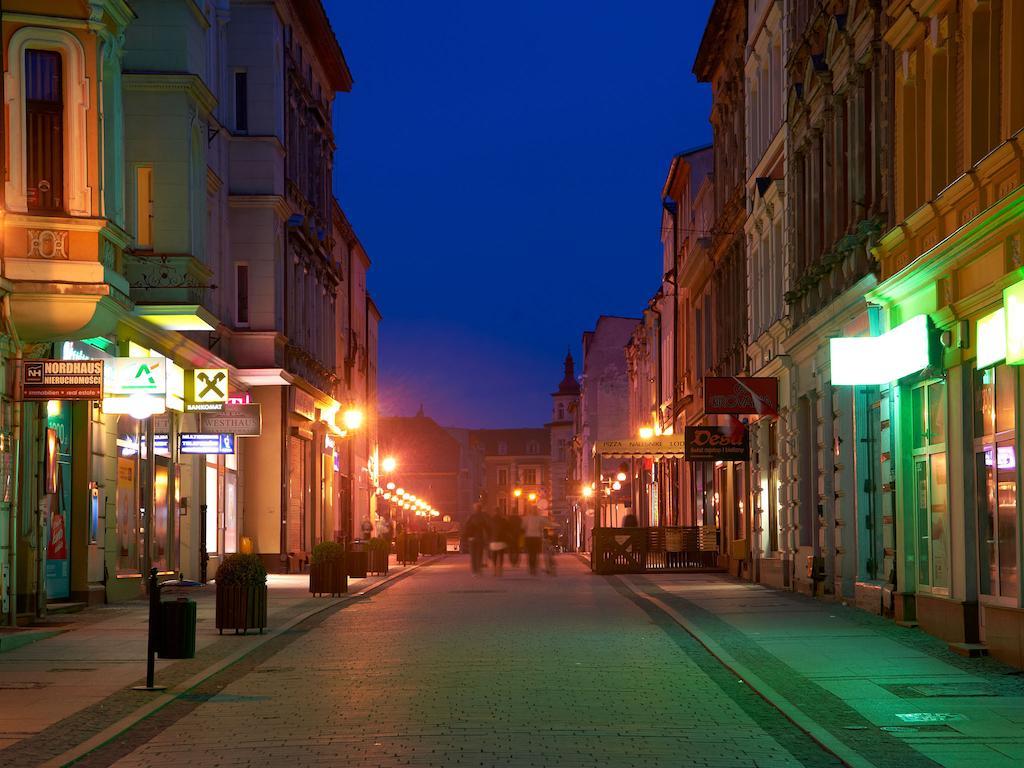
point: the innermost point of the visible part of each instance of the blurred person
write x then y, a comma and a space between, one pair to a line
533, 534
476, 530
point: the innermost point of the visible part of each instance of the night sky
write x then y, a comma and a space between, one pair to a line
502, 164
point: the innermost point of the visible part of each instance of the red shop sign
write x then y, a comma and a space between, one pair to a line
712, 443
741, 395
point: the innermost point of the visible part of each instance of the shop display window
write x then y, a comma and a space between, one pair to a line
931, 491
995, 467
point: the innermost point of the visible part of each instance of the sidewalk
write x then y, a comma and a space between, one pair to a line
81, 677
860, 684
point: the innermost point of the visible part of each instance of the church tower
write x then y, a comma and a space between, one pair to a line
562, 429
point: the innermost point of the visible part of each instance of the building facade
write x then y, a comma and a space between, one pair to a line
152, 190
515, 460
565, 485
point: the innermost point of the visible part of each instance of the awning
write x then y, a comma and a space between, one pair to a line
658, 447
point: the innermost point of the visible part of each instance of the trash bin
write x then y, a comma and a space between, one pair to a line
177, 631
357, 561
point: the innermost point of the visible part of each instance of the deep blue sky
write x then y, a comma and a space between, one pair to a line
502, 163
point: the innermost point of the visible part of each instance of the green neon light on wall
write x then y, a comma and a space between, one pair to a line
991, 336
1013, 304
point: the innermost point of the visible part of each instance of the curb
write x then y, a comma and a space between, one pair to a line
792, 713
114, 730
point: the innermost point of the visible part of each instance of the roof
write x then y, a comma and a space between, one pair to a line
516, 441
318, 26
418, 444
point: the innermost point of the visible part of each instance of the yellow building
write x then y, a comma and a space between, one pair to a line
952, 277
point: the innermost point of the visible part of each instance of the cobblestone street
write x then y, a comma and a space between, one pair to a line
437, 667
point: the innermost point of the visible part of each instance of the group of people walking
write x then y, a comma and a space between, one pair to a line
498, 535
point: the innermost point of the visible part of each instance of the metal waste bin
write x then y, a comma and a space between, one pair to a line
177, 633
357, 560
176, 621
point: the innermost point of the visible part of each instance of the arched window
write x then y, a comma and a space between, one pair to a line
46, 81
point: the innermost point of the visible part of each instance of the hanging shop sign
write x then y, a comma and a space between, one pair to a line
1013, 303
192, 442
62, 380
206, 389
904, 350
715, 443
303, 404
136, 376
740, 395
241, 420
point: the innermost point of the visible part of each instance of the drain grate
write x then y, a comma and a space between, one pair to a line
940, 690
932, 717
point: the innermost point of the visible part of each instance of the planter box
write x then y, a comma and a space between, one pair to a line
377, 561
357, 563
241, 608
328, 578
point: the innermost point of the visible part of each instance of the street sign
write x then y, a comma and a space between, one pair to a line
237, 419
741, 395
191, 442
62, 380
208, 389
713, 443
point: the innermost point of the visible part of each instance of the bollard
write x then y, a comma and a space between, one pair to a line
154, 627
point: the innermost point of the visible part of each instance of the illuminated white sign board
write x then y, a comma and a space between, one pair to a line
881, 359
991, 336
136, 376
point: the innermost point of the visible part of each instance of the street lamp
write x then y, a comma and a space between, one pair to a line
646, 433
517, 492
352, 419
388, 464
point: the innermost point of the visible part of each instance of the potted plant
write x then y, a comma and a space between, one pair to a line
241, 593
327, 572
377, 552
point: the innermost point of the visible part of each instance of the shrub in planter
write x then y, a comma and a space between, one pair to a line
327, 570
377, 552
241, 593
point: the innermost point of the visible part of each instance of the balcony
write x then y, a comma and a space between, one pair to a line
66, 276
836, 271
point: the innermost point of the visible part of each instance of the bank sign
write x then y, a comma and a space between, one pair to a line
741, 395
713, 443
62, 380
136, 376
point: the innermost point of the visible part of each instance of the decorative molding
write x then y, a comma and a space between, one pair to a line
172, 82
48, 244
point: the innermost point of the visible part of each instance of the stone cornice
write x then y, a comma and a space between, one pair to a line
275, 202
180, 82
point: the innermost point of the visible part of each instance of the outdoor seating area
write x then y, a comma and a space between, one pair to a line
656, 549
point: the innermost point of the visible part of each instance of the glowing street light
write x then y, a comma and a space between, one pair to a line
646, 433
621, 477
587, 491
532, 497
352, 419
389, 464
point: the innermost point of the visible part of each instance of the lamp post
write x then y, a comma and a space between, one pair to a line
517, 492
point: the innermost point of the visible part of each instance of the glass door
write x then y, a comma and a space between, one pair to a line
931, 505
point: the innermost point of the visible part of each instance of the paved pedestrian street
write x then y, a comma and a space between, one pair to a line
442, 668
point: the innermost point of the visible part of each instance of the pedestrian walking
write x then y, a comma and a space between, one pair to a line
367, 529
475, 531
629, 520
499, 542
515, 539
533, 535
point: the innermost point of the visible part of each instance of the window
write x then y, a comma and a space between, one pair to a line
144, 206
241, 101
530, 476
561, 412
241, 294
502, 448
502, 476
928, 419
533, 448
995, 462
44, 131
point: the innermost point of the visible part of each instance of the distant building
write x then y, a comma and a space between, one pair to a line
428, 460
515, 458
564, 480
603, 410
